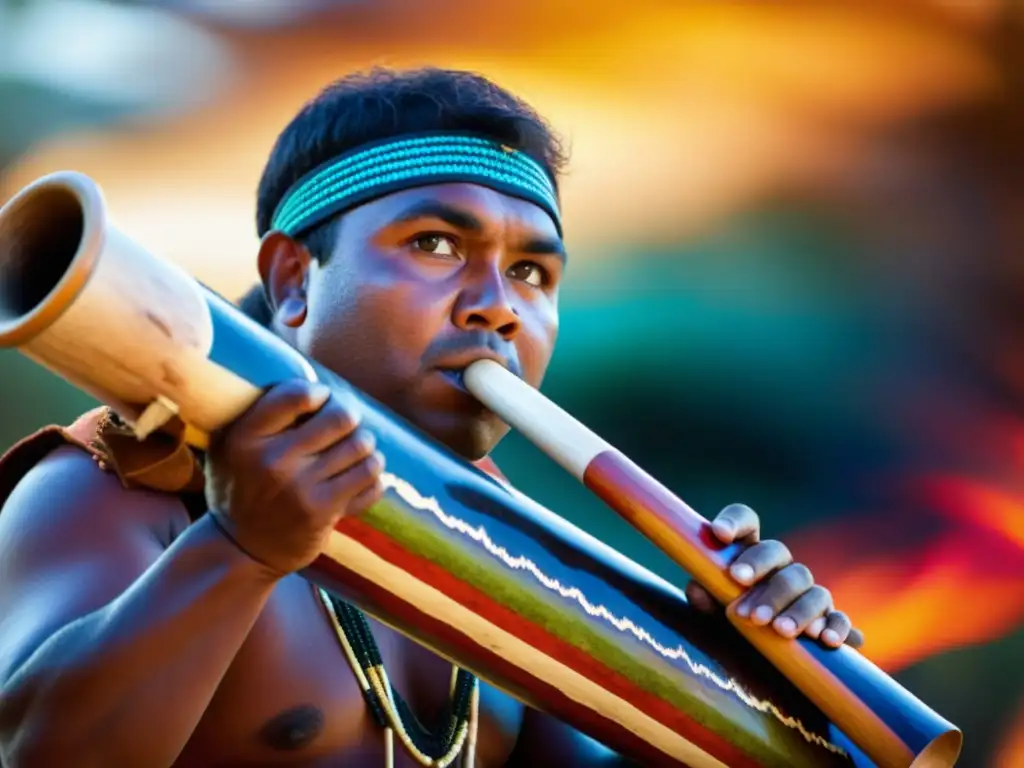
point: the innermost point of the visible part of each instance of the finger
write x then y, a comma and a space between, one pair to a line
699, 597
759, 560
837, 628
812, 604
735, 523
366, 498
341, 489
343, 455
782, 589
750, 600
814, 629
333, 422
281, 405
855, 638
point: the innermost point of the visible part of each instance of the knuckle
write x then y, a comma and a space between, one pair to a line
800, 575
374, 464
736, 511
776, 551
785, 585
764, 555
273, 464
340, 420
308, 397
822, 594
771, 554
291, 392
838, 618
363, 442
272, 458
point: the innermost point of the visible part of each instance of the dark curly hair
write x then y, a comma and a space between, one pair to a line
383, 103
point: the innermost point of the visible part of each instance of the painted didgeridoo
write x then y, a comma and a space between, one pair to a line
452, 558
892, 726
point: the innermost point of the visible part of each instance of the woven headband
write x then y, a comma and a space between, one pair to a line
379, 169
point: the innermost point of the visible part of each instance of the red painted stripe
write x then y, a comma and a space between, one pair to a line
632, 492
450, 640
665, 520
513, 623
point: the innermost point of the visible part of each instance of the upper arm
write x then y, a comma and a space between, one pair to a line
72, 538
545, 740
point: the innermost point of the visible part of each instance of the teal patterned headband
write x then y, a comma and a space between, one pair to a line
412, 161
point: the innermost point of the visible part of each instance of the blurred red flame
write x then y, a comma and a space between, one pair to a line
918, 583
948, 572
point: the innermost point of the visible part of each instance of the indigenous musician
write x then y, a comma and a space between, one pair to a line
151, 611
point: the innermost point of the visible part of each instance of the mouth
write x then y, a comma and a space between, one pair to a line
453, 367
455, 377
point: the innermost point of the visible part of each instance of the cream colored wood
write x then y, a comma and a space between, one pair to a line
357, 557
547, 426
120, 323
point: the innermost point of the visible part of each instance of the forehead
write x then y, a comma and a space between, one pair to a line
492, 209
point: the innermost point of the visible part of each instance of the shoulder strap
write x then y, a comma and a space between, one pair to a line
26, 453
162, 462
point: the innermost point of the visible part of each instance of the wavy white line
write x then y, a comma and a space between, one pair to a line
411, 496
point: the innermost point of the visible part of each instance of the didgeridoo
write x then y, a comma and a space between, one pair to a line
892, 726
450, 557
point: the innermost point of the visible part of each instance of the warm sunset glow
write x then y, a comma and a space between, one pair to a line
676, 117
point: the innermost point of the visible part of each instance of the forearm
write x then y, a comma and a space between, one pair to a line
156, 654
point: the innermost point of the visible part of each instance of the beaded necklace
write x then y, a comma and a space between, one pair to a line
433, 749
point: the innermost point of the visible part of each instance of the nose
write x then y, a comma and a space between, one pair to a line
484, 305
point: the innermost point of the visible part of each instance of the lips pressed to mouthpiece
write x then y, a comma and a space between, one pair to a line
455, 376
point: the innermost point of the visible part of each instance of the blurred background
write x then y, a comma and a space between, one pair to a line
796, 232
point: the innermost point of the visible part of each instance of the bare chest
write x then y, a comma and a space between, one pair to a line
291, 698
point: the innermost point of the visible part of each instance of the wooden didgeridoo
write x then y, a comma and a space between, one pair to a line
892, 726
452, 558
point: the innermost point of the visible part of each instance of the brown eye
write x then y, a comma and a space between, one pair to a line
441, 245
528, 272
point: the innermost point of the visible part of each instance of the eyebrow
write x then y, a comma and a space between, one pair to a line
542, 246
463, 219
433, 209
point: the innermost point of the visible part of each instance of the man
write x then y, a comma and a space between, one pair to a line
409, 224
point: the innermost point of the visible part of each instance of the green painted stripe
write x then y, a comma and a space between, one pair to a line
760, 735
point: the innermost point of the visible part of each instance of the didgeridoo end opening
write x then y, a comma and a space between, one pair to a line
51, 234
942, 752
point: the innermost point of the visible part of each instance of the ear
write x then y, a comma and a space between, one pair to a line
284, 269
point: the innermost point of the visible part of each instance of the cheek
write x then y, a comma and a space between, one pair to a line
536, 346
380, 327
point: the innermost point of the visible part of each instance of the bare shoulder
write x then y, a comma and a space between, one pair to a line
69, 496
72, 538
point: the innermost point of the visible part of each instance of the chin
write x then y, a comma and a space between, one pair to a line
471, 447
473, 441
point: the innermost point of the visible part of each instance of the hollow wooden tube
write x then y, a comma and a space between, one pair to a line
454, 559
891, 725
